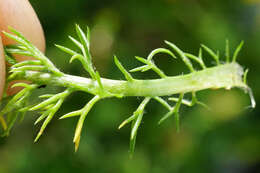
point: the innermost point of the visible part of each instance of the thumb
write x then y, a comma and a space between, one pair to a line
20, 15
2, 69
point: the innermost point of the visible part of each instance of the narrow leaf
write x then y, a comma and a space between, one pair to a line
210, 52
163, 102
25, 85
29, 68
160, 50
197, 59
3, 122
128, 120
65, 49
245, 76
142, 68
52, 99
49, 118
123, 70
80, 123
182, 55
143, 60
44, 115
12, 116
76, 56
227, 51
71, 114
76, 42
85, 42
166, 116
18, 51
15, 38
239, 47
134, 130
46, 96
10, 59
28, 62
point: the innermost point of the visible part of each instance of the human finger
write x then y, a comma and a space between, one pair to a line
20, 15
2, 69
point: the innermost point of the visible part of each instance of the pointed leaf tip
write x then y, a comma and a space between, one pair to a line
239, 47
127, 75
122, 124
76, 143
37, 137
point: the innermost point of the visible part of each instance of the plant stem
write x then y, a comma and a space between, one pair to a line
221, 76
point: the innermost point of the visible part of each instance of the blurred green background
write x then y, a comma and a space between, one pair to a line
225, 139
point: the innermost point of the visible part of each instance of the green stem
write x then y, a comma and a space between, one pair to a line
222, 76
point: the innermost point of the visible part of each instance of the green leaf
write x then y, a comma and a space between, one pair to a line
28, 67
239, 47
10, 59
174, 111
79, 57
12, 116
49, 115
123, 70
128, 120
197, 59
27, 62
182, 55
18, 52
66, 50
80, 123
211, 52
134, 130
142, 68
76, 42
163, 102
160, 50
84, 41
40, 118
71, 114
227, 55
245, 76
51, 100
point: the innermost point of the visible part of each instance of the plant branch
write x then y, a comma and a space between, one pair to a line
222, 76
42, 71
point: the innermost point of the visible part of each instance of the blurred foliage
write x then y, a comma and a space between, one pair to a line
226, 139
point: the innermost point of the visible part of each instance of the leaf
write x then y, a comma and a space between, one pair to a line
66, 50
84, 41
27, 62
160, 50
142, 68
135, 126
239, 47
211, 52
80, 123
182, 55
50, 114
128, 120
49, 101
71, 114
227, 51
123, 70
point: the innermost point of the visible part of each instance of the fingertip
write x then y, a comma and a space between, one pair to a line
20, 15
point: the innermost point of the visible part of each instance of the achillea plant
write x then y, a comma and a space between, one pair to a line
42, 71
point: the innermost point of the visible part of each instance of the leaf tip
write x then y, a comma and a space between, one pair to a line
76, 141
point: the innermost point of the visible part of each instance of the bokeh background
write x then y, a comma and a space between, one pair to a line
225, 139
